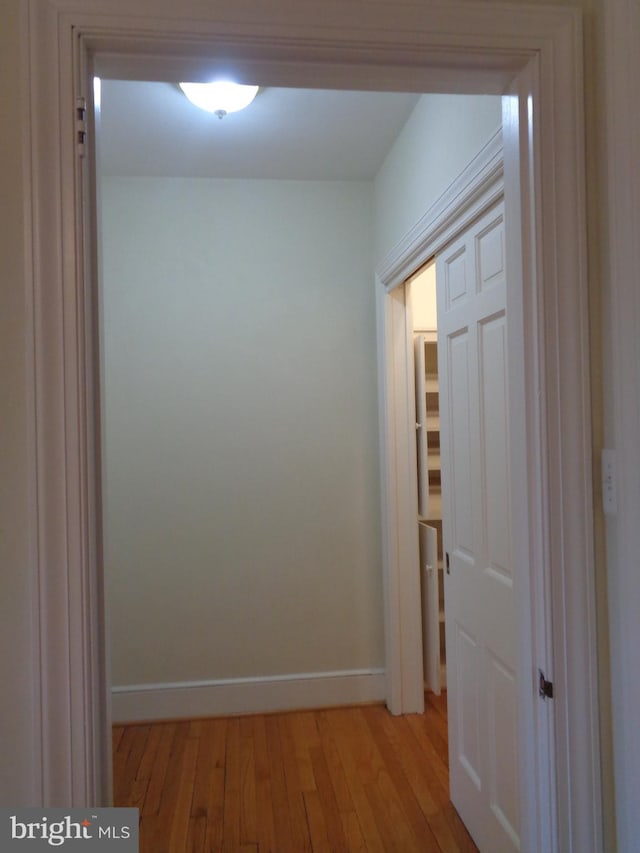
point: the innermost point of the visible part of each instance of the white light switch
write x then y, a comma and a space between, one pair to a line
609, 482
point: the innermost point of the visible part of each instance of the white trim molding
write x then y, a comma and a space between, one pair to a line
477, 187
223, 696
418, 46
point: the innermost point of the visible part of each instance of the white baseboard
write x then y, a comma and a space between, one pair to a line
137, 702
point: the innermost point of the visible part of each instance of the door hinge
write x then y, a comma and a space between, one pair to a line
447, 563
81, 124
545, 688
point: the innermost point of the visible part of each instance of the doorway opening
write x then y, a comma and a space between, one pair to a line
420, 295
169, 368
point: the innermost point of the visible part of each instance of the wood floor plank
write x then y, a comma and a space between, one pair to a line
295, 795
151, 748
121, 784
439, 703
386, 801
346, 779
431, 754
126, 764
396, 833
215, 811
170, 790
305, 735
182, 809
334, 763
428, 789
329, 804
348, 815
136, 752
211, 762
264, 809
138, 794
197, 836
317, 823
248, 814
232, 789
116, 736
359, 751
207, 802
437, 726
356, 782
159, 769
196, 727
353, 832
279, 800
148, 832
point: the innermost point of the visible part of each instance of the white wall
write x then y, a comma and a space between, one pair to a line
242, 494
442, 135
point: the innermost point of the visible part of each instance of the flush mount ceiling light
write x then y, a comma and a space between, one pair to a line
220, 96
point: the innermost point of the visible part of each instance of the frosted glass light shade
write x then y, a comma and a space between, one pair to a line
220, 97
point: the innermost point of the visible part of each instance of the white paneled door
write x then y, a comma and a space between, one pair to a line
480, 610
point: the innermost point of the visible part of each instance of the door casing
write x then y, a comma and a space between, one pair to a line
461, 47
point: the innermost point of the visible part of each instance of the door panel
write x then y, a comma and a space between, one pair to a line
480, 612
456, 277
495, 440
503, 759
457, 429
467, 712
490, 254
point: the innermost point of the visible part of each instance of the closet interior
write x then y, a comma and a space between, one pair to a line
422, 293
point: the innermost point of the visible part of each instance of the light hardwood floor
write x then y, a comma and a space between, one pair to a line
336, 780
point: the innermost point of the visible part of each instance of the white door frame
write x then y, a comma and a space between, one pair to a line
417, 46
